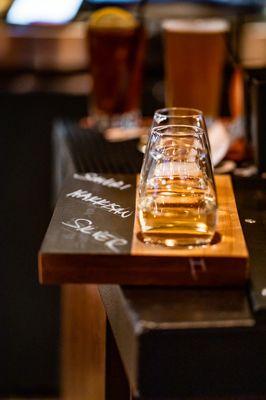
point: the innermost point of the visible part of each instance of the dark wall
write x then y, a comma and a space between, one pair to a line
29, 313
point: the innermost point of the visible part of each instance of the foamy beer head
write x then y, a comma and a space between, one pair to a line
195, 51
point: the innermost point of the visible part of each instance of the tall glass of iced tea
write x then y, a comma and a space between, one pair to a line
116, 44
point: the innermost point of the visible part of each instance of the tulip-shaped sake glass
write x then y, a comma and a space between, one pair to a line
181, 116
177, 203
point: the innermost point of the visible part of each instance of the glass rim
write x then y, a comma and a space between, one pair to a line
194, 112
159, 130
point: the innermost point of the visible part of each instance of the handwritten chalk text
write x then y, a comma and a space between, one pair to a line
107, 205
86, 227
109, 182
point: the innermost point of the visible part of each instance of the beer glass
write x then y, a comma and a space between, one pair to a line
116, 45
177, 203
195, 52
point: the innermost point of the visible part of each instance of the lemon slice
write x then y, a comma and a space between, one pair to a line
112, 17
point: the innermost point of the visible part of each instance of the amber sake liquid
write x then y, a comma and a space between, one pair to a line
178, 212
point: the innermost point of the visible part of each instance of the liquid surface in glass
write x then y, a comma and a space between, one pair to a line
178, 204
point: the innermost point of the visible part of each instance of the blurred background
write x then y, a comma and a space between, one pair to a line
45, 75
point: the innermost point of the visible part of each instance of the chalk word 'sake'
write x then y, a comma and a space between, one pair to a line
109, 182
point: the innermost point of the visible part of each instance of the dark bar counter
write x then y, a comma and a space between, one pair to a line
161, 342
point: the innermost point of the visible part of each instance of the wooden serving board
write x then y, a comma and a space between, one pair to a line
92, 238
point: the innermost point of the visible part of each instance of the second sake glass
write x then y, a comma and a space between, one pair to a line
177, 203
181, 116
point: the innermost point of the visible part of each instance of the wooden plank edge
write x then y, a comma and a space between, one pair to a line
142, 270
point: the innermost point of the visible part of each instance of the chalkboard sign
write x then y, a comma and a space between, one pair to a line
93, 238
94, 214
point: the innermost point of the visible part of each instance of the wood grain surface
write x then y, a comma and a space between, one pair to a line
80, 260
83, 343
231, 240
